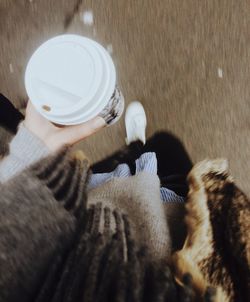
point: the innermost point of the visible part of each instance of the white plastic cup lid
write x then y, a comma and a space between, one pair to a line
70, 79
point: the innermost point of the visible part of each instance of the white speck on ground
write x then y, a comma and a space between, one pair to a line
87, 17
11, 68
110, 49
220, 73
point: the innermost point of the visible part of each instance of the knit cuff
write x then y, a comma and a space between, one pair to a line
25, 149
27, 146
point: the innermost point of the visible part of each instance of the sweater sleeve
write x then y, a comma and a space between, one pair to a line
25, 149
36, 231
38, 226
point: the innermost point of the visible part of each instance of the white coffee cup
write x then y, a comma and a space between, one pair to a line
71, 79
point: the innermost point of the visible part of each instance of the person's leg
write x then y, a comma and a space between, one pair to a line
135, 122
172, 159
128, 154
171, 154
173, 162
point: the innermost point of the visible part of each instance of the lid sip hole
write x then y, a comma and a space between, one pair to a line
46, 108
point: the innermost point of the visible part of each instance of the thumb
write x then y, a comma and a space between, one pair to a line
73, 134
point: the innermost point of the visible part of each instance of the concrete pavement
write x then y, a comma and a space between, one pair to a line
188, 62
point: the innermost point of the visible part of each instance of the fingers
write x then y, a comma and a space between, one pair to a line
30, 109
33, 115
73, 134
56, 137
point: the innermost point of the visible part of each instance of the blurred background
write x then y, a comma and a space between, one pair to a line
188, 62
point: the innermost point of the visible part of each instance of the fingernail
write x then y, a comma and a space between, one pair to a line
99, 122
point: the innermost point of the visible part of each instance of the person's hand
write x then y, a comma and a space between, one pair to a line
54, 137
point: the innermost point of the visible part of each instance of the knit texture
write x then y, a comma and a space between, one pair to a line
33, 228
41, 253
24, 150
147, 162
39, 210
139, 197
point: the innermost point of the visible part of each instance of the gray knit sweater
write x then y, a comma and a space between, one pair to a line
29, 211
25, 149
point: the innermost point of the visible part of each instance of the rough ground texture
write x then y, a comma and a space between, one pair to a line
188, 62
